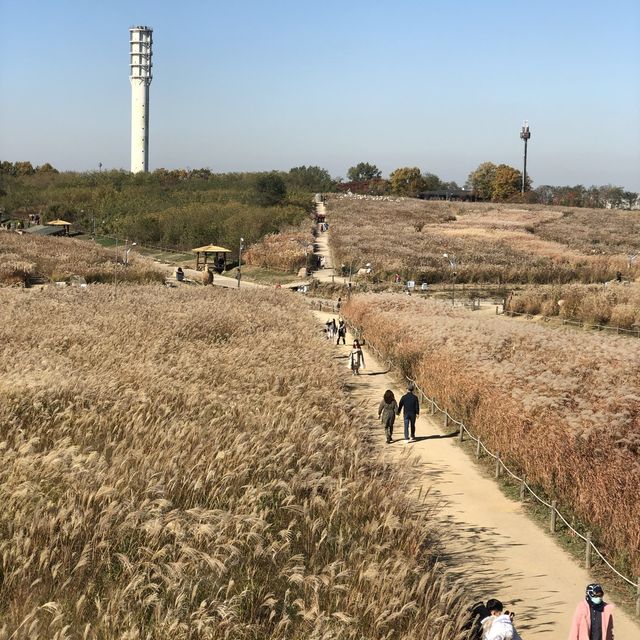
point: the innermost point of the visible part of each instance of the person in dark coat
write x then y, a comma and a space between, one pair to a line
387, 413
411, 406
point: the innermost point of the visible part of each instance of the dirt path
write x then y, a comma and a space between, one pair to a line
193, 276
491, 543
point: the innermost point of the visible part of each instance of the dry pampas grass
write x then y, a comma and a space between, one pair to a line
176, 464
23, 256
562, 406
491, 242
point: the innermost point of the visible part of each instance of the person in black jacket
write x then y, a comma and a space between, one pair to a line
409, 402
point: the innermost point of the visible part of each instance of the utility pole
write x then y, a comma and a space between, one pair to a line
240, 260
525, 134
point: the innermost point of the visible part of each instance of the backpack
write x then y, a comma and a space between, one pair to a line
342, 330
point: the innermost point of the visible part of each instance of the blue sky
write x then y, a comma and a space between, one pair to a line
259, 85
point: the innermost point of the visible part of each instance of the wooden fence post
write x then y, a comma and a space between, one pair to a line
587, 555
461, 434
552, 525
638, 598
523, 488
478, 448
433, 407
498, 465
446, 418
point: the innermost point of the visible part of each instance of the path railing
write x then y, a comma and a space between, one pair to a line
501, 467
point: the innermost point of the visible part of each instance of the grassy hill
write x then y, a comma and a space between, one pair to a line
174, 209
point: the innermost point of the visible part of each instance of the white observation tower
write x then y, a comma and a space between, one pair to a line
140, 42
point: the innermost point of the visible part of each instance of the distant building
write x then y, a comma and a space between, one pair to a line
460, 195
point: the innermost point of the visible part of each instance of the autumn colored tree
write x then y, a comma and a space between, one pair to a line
506, 183
480, 181
406, 181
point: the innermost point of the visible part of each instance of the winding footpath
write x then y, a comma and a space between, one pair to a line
490, 542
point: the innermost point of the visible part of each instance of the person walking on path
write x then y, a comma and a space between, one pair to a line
356, 359
387, 413
342, 332
593, 617
409, 402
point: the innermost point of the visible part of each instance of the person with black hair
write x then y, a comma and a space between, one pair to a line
387, 413
411, 405
476, 614
498, 625
593, 617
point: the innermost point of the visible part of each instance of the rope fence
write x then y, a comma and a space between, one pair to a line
501, 467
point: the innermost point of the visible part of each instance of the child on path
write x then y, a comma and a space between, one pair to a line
356, 359
593, 618
387, 413
409, 402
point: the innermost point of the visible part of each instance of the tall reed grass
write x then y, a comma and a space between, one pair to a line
530, 244
24, 256
286, 250
186, 464
562, 406
615, 304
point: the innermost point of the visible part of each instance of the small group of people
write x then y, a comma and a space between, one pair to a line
592, 620
389, 409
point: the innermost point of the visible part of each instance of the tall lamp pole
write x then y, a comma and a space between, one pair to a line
525, 134
241, 246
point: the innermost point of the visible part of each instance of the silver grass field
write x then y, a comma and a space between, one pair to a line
180, 463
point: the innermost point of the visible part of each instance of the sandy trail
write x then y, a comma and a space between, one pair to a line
490, 542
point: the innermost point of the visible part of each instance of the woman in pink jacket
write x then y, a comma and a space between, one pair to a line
593, 619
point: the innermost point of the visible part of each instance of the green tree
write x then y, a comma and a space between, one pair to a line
406, 181
310, 179
431, 182
480, 181
506, 182
363, 171
270, 190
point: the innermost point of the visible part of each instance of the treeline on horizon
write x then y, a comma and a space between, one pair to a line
178, 209
182, 208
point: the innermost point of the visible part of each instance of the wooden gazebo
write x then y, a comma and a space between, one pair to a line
63, 224
213, 256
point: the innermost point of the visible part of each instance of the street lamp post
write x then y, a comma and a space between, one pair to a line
240, 248
453, 264
525, 134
